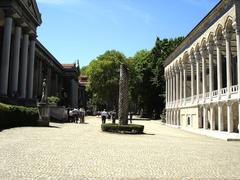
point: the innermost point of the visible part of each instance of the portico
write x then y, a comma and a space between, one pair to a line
206, 65
25, 62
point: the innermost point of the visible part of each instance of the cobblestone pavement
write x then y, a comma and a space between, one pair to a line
82, 151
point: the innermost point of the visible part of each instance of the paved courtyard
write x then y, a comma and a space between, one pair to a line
82, 151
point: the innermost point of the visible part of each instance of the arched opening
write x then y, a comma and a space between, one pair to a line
215, 109
235, 117
200, 117
224, 113
222, 46
188, 74
233, 50
206, 62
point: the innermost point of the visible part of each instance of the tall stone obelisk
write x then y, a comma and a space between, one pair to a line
123, 95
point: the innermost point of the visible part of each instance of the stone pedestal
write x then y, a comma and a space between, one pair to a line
44, 114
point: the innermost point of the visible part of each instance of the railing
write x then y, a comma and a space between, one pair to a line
188, 99
215, 93
234, 89
207, 95
223, 91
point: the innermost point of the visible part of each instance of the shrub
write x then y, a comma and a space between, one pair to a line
131, 128
53, 100
12, 116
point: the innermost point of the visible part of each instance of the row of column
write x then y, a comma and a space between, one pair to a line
173, 117
174, 83
21, 81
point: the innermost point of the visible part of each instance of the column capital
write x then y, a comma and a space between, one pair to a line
19, 22
197, 55
217, 41
203, 52
9, 13
177, 69
191, 58
210, 47
236, 27
230, 103
227, 35
33, 36
183, 65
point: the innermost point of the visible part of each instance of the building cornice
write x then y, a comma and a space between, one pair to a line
221, 8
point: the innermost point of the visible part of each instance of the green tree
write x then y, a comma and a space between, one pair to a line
103, 74
148, 91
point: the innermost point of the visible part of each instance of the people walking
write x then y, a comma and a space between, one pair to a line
113, 117
104, 116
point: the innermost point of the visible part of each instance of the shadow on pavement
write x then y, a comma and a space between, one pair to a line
149, 134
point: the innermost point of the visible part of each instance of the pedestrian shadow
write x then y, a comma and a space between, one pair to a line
149, 134
140, 119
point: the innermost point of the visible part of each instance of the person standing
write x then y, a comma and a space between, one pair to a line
113, 117
104, 116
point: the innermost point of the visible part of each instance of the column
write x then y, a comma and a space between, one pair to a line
211, 77
227, 36
40, 80
212, 117
181, 82
220, 117
31, 68
174, 86
166, 89
16, 58
166, 118
49, 80
219, 65
205, 117
57, 89
197, 57
170, 117
178, 118
192, 76
184, 82
174, 117
237, 30
177, 83
203, 54
24, 64
170, 90
229, 117
4, 71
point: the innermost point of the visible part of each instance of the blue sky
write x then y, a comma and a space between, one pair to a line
84, 29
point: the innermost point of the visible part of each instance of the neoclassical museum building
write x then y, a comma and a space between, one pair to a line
25, 62
203, 73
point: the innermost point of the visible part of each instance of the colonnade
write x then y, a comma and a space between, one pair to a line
202, 60
18, 54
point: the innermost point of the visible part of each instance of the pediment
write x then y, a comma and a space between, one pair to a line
32, 7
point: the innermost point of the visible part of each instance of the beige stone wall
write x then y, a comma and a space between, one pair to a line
191, 113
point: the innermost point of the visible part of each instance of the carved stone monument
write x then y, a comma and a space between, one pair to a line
123, 95
43, 108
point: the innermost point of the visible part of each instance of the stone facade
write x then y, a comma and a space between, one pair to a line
25, 62
202, 74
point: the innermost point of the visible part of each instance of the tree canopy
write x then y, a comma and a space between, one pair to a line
147, 82
148, 89
103, 73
